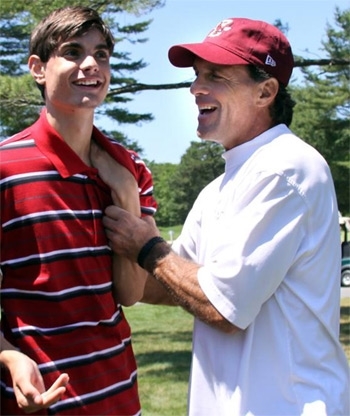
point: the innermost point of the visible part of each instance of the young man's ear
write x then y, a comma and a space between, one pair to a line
37, 69
267, 91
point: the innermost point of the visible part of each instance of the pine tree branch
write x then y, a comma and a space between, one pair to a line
302, 63
143, 87
299, 63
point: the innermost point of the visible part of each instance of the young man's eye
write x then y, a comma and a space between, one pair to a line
102, 54
73, 53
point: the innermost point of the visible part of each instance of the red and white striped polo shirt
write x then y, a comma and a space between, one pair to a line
56, 292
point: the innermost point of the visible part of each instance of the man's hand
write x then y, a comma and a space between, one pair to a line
28, 383
126, 232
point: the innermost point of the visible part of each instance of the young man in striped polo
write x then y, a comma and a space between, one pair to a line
66, 344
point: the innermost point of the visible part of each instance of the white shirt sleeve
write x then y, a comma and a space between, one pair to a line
254, 242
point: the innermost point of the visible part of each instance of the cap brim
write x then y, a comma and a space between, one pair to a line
184, 55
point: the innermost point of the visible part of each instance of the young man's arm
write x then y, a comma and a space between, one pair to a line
128, 277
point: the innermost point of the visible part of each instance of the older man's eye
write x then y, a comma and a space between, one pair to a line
215, 75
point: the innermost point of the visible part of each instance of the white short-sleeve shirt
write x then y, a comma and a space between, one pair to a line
267, 235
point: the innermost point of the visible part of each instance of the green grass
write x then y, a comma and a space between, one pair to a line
162, 345
168, 232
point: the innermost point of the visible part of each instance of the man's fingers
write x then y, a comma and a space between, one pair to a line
61, 381
33, 402
51, 397
54, 393
29, 403
28, 397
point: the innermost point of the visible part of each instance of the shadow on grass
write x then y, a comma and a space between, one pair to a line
172, 365
167, 356
173, 336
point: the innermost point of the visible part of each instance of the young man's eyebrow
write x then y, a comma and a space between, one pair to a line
74, 44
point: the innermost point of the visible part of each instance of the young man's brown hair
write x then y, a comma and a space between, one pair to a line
63, 24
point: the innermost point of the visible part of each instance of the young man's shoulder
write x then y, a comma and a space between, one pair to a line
104, 140
19, 152
127, 157
18, 138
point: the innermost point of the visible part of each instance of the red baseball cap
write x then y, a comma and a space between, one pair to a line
240, 41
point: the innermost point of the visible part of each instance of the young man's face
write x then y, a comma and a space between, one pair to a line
77, 75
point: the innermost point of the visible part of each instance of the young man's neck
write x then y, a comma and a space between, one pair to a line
75, 129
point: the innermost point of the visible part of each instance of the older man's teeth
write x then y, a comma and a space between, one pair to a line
203, 110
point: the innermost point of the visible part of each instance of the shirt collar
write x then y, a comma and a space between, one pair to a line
52, 145
236, 156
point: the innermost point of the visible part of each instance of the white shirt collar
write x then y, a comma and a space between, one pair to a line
236, 156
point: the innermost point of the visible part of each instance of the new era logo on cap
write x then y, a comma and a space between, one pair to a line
270, 61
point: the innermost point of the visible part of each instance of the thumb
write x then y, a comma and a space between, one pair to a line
114, 212
27, 395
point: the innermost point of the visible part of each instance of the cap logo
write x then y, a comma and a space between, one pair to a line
222, 27
270, 61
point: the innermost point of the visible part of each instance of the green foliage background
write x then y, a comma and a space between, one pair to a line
321, 116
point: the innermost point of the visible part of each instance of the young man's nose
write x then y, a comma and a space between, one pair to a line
89, 62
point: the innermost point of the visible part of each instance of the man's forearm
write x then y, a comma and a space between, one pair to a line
156, 294
179, 278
